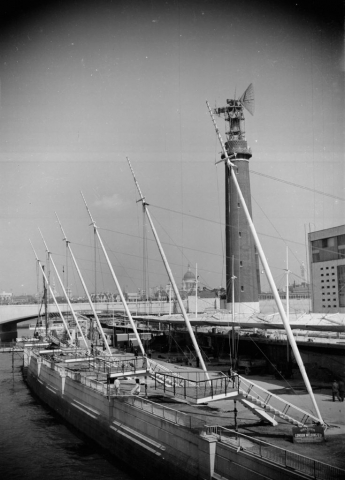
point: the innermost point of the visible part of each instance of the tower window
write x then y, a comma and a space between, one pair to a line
241, 263
242, 288
240, 234
238, 205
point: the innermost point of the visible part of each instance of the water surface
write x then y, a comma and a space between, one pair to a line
36, 444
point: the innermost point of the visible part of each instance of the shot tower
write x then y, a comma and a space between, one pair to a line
242, 261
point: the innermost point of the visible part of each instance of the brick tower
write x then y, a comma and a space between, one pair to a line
239, 241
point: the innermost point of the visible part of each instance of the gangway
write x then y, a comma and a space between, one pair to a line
194, 387
251, 393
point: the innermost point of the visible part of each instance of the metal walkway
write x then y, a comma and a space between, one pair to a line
193, 386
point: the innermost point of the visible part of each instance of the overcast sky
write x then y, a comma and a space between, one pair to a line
85, 84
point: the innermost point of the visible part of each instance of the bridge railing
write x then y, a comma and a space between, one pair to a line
174, 416
274, 454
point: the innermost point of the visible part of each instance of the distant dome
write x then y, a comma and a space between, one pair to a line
189, 276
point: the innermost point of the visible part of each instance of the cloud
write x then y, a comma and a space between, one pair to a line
110, 202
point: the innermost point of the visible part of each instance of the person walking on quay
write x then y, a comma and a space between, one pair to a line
136, 389
117, 386
335, 390
341, 391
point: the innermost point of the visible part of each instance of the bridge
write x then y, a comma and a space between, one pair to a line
13, 314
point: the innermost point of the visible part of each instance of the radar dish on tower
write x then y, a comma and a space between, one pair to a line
247, 99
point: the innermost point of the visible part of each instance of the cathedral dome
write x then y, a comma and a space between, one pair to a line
189, 276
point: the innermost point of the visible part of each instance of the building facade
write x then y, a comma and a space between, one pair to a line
327, 269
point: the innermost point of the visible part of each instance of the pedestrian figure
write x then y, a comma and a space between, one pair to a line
135, 352
136, 389
335, 390
117, 386
341, 391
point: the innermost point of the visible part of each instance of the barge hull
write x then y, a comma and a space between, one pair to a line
147, 443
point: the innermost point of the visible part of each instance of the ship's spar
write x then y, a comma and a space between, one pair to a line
129, 315
171, 277
52, 294
270, 279
65, 293
68, 244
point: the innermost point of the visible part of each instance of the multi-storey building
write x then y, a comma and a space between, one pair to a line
327, 269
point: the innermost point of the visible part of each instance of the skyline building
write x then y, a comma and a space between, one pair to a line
327, 269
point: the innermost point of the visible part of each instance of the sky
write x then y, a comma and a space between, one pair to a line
85, 84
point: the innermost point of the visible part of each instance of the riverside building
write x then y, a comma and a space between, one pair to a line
327, 269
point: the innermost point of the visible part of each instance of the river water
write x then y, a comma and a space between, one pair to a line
37, 444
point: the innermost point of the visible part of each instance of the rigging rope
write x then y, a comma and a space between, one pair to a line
293, 253
275, 368
298, 186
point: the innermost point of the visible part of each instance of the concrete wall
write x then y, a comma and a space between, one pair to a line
203, 304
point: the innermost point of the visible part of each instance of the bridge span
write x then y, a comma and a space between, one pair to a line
13, 314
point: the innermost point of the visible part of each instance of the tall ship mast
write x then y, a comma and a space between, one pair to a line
238, 239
